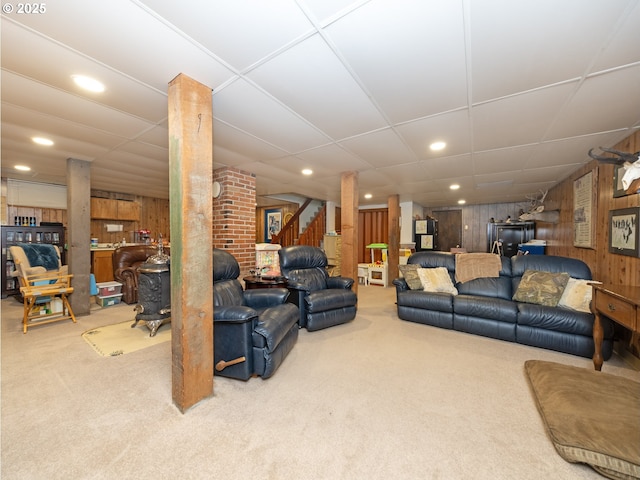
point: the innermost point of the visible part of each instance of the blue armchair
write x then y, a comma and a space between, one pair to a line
322, 301
254, 330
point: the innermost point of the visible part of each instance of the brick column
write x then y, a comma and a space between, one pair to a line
234, 216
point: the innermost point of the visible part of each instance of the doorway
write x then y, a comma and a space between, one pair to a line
449, 228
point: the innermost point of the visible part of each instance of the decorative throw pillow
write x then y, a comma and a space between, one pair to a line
577, 295
541, 288
410, 274
437, 280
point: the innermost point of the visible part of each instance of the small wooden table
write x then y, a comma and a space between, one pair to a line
253, 281
620, 303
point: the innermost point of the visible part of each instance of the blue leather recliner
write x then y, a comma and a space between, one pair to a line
323, 301
253, 330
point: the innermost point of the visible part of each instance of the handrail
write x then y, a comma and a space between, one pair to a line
313, 234
287, 234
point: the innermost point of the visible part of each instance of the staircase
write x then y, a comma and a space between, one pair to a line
312, 235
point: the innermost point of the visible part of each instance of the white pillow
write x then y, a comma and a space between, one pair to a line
577, 295
437, 280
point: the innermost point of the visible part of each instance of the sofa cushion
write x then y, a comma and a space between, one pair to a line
577, 295
410, 274
330, 299
560, 320
541, 288
488, 287
486, 307
436, 280
440, 302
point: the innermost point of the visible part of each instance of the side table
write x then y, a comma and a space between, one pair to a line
253, 281
620, 303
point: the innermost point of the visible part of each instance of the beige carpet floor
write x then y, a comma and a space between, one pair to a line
378, 398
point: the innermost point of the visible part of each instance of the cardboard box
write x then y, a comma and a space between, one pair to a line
106, 289
108, 300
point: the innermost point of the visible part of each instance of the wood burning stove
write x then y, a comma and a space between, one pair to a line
154, 291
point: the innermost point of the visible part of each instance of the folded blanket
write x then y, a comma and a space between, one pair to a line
470, 266
41, 255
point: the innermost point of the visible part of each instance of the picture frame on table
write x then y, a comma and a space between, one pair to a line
623, 231
272, 223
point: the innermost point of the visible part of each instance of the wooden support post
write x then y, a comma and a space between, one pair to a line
349, 227
393, 252
190, 202
79, 233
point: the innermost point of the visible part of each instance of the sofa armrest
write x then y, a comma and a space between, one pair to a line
340, 282
401, 284
234, 314
266, 297
300, 286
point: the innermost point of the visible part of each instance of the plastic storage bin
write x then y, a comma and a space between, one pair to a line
108, 300
107, 289
532, 249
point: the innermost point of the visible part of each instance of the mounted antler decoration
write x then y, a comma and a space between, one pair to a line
630, 163
537, 210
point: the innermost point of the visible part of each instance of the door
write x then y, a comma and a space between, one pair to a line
449, 229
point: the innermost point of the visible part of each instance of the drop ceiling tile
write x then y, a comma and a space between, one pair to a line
232, 139
331, 160
511, 52
452, 128
410, 57
144, 46
57, 64
568, 151
519, 119
622, 48
380, 148
338, 106
446, 167
251, 110
404, 174
228, 28
597, 106
502, 160
35, 96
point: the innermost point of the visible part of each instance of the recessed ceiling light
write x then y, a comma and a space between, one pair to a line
436, 146
368, 196
42, 141
88, 83
455, 186
307, 171
23, 168
461, 202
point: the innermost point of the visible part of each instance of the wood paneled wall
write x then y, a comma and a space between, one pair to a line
605, 267
373, 227
154, 216
475, 219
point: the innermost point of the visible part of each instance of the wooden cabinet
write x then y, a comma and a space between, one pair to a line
102, 265
620, 303
108, 209
128, 210
509, 235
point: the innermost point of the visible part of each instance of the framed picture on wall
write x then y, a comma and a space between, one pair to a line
623, 231
618, 189
272, 223
584, 210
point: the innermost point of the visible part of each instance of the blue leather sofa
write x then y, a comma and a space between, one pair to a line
484, 306
253, 330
